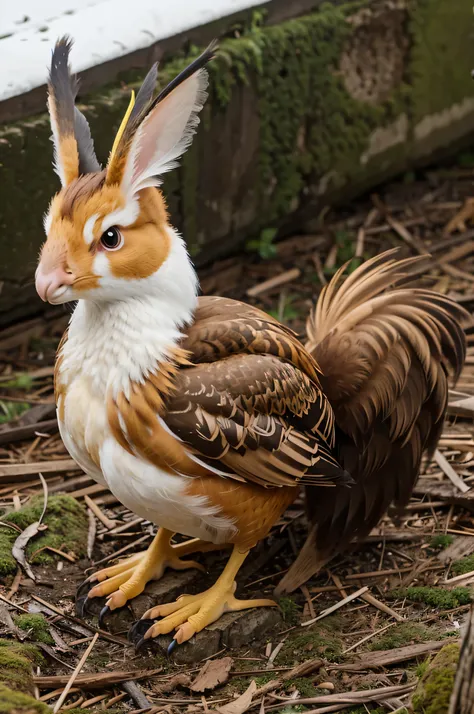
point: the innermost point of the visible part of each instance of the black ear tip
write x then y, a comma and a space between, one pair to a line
212, 47
65, 42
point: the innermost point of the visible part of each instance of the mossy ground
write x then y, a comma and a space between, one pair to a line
435, 596
16, 660
464, 565
434, 689
401, 634
324, 640
441, 541
36, 626
67, 528
20, 703
290, 609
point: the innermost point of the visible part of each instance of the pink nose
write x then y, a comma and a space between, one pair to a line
48, 284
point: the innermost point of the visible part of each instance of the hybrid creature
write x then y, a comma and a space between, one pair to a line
205, 415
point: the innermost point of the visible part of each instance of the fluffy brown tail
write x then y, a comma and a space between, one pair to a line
385, 352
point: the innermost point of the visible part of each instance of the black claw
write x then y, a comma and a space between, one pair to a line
138, 630
81, 606
105, 611
83, 588
171, 647
139, 644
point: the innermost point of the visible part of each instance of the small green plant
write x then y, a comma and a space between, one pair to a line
441, 541
422, 667
263, 245
345, 253
287, 311
11, 410
20, 381
466, 159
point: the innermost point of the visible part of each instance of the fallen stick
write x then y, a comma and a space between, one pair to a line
333, 608
91, 680
74, 675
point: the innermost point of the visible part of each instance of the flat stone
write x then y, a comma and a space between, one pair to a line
232, 630
251, 625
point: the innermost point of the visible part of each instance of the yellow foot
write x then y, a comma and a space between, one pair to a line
192, 613
127, 579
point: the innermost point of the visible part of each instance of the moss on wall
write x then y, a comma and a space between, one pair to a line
441, 57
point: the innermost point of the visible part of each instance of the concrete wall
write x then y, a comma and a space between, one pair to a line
301, 113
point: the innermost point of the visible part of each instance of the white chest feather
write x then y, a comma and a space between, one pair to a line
108, 347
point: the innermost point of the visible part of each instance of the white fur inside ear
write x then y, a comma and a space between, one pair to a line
165, 134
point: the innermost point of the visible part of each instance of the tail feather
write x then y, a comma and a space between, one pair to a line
385, 351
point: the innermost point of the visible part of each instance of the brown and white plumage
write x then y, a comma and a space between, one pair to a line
205, 415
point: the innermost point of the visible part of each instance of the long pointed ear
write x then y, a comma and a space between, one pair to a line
158, 132
73, 147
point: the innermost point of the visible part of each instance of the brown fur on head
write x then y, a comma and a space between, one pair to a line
108, 228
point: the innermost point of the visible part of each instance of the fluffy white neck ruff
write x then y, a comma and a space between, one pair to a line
116, 342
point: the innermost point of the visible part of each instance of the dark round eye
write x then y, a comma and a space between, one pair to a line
112, 239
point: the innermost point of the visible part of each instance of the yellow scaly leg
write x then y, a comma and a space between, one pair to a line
127, 579
192, 613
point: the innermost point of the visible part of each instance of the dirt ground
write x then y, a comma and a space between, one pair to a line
361, 634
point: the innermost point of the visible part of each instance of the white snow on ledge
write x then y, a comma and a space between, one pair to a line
102, 30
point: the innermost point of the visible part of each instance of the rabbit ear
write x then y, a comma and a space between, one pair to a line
73, 147
156, 133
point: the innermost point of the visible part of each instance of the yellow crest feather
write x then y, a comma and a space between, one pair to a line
122, 126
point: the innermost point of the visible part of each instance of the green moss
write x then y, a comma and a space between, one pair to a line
317, 640
304, 686
290, 610
441, 541
464, 565
434, 689
437, 85
15, 665
19, 703
436, 596
67, 528
403, 633
263, 679
293, 65
37, 627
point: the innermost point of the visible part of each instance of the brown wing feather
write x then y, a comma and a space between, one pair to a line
385, 352
250, 405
